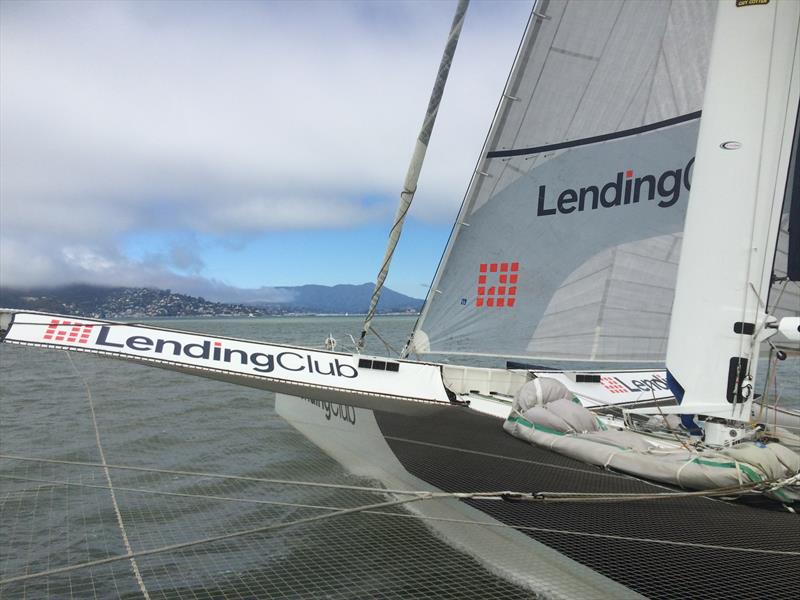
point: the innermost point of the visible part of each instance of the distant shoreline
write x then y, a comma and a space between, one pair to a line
98, 302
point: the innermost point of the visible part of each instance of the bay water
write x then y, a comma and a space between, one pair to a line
193, 459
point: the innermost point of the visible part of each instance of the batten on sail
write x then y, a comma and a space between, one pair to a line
582, 186
734, 217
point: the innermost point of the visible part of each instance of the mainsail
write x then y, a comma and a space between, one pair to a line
743, 162
567, 243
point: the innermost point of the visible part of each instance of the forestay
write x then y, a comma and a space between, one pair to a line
567, 243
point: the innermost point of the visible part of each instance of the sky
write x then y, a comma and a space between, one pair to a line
225, 148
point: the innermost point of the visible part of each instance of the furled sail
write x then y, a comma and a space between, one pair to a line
567, 243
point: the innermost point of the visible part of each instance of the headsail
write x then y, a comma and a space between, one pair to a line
567, 243
732, 226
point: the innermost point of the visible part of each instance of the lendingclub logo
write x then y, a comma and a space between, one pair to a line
110, 338
332, 409
624, 190
68, 331
617, 385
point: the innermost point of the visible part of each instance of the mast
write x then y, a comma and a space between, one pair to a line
719, 316
414, 168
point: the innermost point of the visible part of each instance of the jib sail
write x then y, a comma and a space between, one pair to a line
567, 243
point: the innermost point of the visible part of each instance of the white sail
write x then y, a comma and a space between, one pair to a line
733, 221
567, 244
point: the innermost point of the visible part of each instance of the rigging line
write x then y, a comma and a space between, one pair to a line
754, 215
54, 483
594, 472
134, 567
385, 343
415, 165
209, 475
547, 497
674, 433
651, 540
770, 382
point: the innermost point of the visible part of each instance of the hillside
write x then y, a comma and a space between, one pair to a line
111, 302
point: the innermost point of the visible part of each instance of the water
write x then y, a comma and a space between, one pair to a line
53, 514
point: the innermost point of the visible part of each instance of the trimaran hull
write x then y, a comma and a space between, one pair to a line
648, 548
355, 438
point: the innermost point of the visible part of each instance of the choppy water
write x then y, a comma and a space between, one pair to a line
53, 514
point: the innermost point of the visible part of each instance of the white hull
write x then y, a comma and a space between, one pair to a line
352, 437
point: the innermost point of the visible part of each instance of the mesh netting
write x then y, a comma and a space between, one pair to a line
218, 496
190, 460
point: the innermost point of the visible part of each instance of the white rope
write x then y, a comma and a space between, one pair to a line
207, 475
610, 458
135, 567
738, 471
511, 496
54, 483
683, 466
207, 540
487, 523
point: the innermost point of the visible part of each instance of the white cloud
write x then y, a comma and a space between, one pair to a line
227, 118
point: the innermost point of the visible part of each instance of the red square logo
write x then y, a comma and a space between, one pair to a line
498, 295
67, 331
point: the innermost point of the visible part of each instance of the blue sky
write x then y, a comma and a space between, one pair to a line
220, 147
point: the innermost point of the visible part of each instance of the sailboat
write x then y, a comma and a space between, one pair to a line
575, 226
